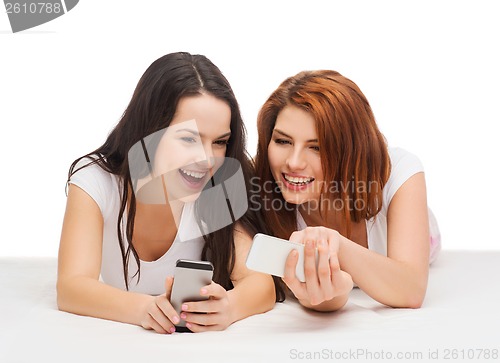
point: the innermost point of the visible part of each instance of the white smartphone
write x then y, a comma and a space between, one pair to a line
189, 278
268, 254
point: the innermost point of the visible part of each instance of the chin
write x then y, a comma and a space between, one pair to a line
295, 199
189, 198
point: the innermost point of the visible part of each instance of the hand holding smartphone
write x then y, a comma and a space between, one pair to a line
189, 278
268, 254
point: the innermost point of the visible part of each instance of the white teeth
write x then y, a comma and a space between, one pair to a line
194, 174
297, 180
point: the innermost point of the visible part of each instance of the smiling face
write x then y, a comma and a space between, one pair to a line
294, 156
193, 147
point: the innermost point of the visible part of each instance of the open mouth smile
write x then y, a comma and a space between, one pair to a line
194, 179
296, 182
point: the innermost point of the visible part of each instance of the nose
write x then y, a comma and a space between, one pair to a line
296, 160
206, 159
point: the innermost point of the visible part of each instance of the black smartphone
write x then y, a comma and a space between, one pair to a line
189, 277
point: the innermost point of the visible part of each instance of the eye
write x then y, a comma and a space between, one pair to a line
189, 140
282, 142
224, 142
315, 148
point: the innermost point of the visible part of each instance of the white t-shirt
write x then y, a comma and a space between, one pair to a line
103, 187
403, 165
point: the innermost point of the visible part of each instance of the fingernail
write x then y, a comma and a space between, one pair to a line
175, 320
188, 325
183, 316
184, 307
204, 291
172, 330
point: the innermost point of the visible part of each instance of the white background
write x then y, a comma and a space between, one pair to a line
430, 70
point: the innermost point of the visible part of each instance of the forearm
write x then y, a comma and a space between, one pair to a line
386, 280
252, 295
89, 297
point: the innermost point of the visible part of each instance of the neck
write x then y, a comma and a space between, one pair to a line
164, 214
157, 220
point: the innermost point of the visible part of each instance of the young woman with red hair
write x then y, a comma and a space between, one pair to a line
328, 179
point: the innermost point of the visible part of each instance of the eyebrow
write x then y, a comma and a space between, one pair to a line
286, 135
196, 133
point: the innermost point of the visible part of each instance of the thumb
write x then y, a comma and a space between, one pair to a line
169, 281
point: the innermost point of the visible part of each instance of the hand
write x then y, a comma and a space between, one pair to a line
326, 281
159, 314
211, 314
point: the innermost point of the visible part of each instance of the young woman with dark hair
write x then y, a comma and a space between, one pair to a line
130, 215
329, 180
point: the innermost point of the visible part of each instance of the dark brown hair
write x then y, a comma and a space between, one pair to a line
352, 149
151, 109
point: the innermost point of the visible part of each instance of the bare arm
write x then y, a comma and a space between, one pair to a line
79, 290
253, 292
400, 279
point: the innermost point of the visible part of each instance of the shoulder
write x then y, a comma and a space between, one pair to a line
402, 159
404, 165
88, 168
101, 185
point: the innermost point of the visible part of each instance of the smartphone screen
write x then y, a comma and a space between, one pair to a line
189, 278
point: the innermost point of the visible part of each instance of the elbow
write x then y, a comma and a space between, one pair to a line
270, 300
268, 307
411, 300
415, 298
63, 296
61, 305
412, 295
415, 301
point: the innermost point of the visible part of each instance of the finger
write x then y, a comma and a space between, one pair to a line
333, 238
337, 274
297, 236
324, 271
213, 290
169, 281
167, 310
215, 302
314, 234
206, 306
342, 282
162, 317
290, 278
196, 328
313, 288
307, 234
310, 261
201, 319
334, 262
152, 324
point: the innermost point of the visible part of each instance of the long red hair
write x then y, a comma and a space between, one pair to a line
353, 151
